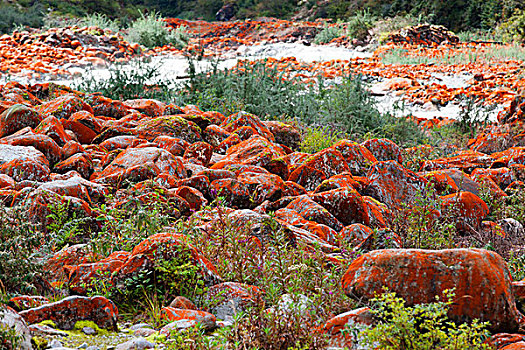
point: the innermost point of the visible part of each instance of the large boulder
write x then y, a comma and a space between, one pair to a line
18, 117
480, 279
23, 163
10, 320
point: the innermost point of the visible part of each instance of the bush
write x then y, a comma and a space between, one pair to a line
328, 34
13, 17
513, 29
424, 326
317, 139
360, 24
151, 31
20, 252
101, 21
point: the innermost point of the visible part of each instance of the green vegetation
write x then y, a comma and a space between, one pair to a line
328, 34
420, 327
101, 21
150, 30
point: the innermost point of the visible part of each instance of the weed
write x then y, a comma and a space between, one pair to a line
101, 21
318, 138
328, 34
151, 31
423, 326
360, 24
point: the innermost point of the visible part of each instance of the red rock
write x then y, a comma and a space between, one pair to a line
480, 278
502, 176
138, 164
167, 246
262, 186
323, 232
200, 152
27, 302
80, 162
64, 106
358, 158
284, 134
151, 108
293, 189
175, 146
240, 119
174, 126
463, 160
345, 179
513, 155
471, 209
312, 211
216, 174
71, 148
107, 107
215, 135
355, 234
181, 302
193, 196
234, 192
442, 181
43, 143
394, 185
345, 204
70, 255
77, 187
18, 117
52, 127
384, 149
379, 213
122, 142
23, 163
307, 177
228, 143
6, 181
66, 312
88, 276
338, 323
182, 319
507, 341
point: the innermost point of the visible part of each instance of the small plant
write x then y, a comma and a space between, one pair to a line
360, 24
328, 34
318, 138
151, 31
419, 327
101, 21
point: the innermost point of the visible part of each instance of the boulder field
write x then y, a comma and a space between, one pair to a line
58, 145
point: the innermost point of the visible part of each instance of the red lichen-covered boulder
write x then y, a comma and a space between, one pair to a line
122, 142
194, 197
64, 106
215, 135
18, 117
168, 125
345, 204
66, 312
262, 186
254, 151
442, 181
358, 318
235, 193
384, 149
199, 152
312, 211
23, 163
394, 185
43, 143
138, 164
181, 302
284, 134
355, 234
472, 209
71, 255
25, 302
183, 318
104, 106
229, 298
358, 158
149, 107
307, 177
329, 161
88, 276
76, 187
480, 279
240, 119
80, 162
52, 127
6, 181
163, 247
507, 341
345, 179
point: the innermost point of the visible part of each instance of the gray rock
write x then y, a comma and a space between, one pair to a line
11, 320
135, 344
55, 343
89, 331
140, 325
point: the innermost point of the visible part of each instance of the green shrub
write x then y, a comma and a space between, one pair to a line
328, 34
101, 21
360, 24
513, 29
420, 327
317, 139
20, 252
13, 17
151, 31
